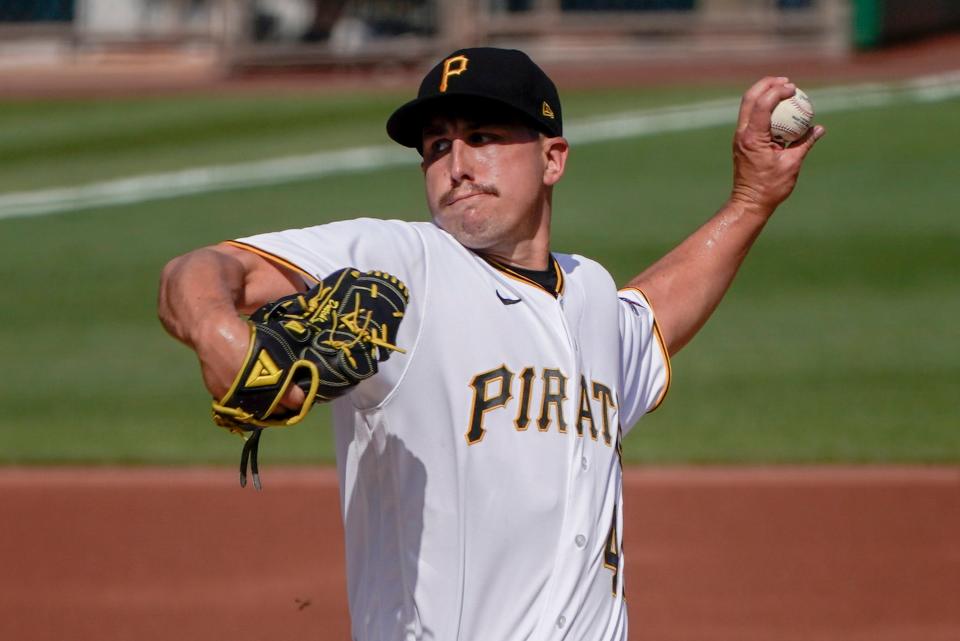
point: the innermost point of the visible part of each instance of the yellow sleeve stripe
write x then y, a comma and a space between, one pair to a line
666, 359
663, 348
272, 258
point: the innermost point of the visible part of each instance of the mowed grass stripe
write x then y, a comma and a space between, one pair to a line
624, 125
837, 343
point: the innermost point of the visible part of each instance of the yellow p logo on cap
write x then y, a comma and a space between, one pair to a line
450, 70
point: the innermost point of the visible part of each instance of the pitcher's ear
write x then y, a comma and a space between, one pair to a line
555, 151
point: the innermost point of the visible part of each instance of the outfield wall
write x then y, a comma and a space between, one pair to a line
880, 22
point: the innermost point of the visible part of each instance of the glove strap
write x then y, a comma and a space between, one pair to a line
250, 450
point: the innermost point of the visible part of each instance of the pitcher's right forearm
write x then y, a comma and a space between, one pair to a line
197, 290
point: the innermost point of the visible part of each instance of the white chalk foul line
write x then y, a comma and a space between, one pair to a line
631, 124
198, 180
724, 111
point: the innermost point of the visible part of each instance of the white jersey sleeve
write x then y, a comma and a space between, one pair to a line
645, 362
392, 246
364, 243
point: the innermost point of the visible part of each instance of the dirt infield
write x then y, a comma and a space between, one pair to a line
712, 555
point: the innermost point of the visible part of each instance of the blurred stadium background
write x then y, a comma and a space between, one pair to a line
133, 131
248, 33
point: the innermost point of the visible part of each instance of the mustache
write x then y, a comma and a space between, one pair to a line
473, 189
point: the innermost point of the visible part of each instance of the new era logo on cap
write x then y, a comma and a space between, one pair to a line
504, 77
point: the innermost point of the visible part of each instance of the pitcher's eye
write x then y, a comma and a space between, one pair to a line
481, 138
438, 147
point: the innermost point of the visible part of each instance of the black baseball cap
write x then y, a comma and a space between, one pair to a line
505, 77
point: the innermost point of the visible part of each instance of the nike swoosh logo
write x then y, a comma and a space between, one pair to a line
508, 301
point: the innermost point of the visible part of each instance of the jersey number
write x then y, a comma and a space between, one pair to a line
611, 553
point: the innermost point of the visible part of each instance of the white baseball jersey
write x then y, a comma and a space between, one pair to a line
480, 472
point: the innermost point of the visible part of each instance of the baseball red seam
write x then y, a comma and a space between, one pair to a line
803, 110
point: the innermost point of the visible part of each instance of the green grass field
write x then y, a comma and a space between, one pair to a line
839, 342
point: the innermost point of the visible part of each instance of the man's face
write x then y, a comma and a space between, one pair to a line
485, 178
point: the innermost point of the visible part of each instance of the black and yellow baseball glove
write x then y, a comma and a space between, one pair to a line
324, 341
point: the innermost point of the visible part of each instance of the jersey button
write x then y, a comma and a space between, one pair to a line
581, 540
583, 463
561, 621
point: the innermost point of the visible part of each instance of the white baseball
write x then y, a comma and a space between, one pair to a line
791, 118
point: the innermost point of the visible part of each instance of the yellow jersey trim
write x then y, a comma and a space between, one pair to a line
272, 258
663, 348
508, 271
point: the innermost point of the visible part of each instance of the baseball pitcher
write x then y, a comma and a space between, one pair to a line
481, 383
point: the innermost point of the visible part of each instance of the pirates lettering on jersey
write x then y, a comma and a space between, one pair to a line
493, 390
585, 414
604, 394
526, 384
484, 400
553, 398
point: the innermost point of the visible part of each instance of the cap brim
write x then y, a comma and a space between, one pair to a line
405, 126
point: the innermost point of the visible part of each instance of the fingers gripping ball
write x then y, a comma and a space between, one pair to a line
791, 118
324, 341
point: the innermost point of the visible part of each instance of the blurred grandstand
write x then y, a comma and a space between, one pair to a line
243, 35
